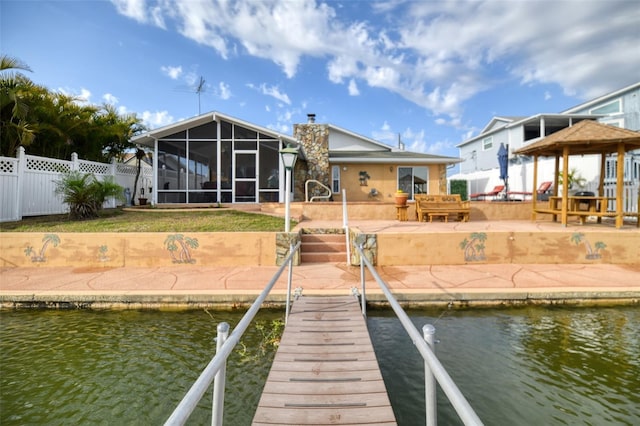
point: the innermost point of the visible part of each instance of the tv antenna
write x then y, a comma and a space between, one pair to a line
199, 87
199, 90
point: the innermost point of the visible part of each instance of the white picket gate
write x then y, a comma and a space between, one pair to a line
27, 183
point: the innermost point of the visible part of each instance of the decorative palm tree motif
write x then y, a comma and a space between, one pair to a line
40, 256
102, 253
178, 241
578, 238
474, 247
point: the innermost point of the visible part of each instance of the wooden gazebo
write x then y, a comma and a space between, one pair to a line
583, 138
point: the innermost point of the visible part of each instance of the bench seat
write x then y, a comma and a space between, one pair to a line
440, 205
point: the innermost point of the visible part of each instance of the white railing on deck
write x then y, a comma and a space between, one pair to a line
424, 344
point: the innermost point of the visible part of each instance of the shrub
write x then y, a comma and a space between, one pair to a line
459, 187
85, 194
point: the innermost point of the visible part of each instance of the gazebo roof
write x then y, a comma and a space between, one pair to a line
585, 137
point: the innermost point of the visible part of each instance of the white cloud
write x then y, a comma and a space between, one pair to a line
385, 134
82, 98
135, 9
353, 88
172, 72
156, 119
437, 55
110, 99
224, 91
272, 91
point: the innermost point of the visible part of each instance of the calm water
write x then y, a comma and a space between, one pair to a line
530, 366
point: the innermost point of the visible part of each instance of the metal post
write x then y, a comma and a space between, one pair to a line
428, 332
217, 408
289, 279
287, 200
345, 225
362, 283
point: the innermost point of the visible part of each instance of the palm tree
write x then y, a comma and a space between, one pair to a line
85, 194
15, 129
140, 154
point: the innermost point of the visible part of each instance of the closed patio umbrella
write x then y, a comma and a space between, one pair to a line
503, 161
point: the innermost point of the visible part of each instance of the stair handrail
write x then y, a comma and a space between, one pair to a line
218, 363
322, 185
345, 224
433, 366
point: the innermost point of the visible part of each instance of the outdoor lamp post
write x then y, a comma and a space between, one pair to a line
289, 156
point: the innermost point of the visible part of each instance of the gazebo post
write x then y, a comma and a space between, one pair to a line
565, 184
603, 162
619, 186
556, 188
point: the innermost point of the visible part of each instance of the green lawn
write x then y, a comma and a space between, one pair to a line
117, 220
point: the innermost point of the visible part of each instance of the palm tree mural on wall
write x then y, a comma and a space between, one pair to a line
474, 247
48, 239
592, 252
184, 244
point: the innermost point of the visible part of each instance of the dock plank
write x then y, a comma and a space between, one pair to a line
325, 370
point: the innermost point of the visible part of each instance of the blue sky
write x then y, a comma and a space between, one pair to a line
433, 72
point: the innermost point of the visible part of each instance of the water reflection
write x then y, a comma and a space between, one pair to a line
96, 367
529, 366
533, 366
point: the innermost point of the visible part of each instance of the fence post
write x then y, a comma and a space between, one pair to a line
431, 408
74, 161
217, 409
22, 164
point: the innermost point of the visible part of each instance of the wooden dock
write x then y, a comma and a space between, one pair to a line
325, 370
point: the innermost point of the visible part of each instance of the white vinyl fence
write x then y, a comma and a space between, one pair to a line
27, 183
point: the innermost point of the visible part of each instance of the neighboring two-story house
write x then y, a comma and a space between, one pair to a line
480, 166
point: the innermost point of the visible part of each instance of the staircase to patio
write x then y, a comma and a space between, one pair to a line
323, 246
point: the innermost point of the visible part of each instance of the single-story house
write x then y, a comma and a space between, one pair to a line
215, 158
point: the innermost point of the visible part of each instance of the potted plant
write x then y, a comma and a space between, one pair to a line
401, 197
142, 200
575, 180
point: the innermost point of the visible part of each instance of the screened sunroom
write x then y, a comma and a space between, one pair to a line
215, 158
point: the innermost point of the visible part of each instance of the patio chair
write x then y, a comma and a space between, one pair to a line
544, 188
493, 193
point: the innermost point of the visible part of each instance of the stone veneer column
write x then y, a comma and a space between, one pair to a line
314, 139
442, 178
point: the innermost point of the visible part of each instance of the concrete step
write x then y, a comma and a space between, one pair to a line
323, 257
316, 248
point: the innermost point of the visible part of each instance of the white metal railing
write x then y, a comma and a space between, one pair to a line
345, 224
316, 197
424, 344
216, 369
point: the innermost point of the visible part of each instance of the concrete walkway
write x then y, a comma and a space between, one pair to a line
435, 284
184, 285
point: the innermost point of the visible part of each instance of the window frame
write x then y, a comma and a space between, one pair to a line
335, 179
487, 143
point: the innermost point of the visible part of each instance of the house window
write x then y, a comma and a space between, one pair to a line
614, 122
487, 143
610, 108
335, 179
413, 180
